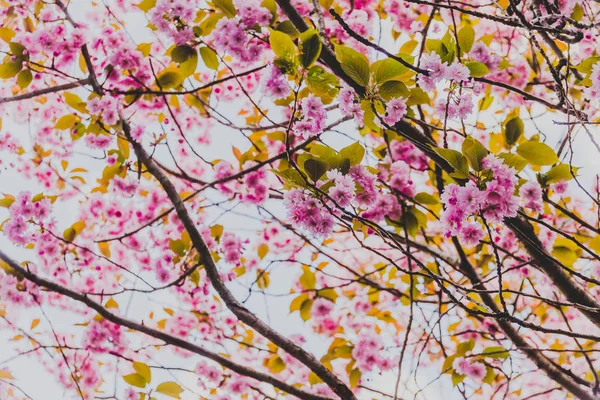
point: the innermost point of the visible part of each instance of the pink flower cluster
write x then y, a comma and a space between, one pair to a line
349, 104
106, 107
170, 16
230, 33
408, 152
316, 216
386, 205
308, 213
367, 192
343, 190
104, 336
275, 83
255, 186
399, 178
368, 351
531, 194
480, 52
475, 371
17, 293
494, 203
313, 117
55, 42
232, 248
439, 71
395, 110
455, 106
22, 210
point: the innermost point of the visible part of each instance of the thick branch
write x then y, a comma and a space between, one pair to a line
213, 274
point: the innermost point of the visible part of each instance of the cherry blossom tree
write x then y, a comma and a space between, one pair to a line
272, 199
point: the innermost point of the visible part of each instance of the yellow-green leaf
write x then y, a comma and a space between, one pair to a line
170, 78
72, 232
537, 153
276, 364
477, 69
310, 47
209, 56
226, 6
135, 380
466, 37
354, 64
66, 122
10, 68
24, 78
282, 45
308, 280
143, 370
171, 389
263, 249
305, 309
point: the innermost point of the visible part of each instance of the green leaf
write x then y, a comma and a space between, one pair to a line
513, 160
135, 380
565, 255
388, 70
456, 160
24, 78
322, 84
315, 168
170, 78
71, 233
355, 153
512, 130
226, 6
177, 247
448, 362
291, 177
276, 365
10, 68
393, 89
66, 122
354, 64
465, 347
297, 302
495, 352
474, 151
188, 67
354, 377
537, 153
209, 56
283, 46
466, 38
417, 96
146, 5
560, 172
182, 53
489, 375
171, 389
143, 370
310, 47
308, 280
18, 50
288, 28
457, 378
75, 101
477, 69
305, 309
425, 198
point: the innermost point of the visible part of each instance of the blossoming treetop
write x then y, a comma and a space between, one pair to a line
404, 177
